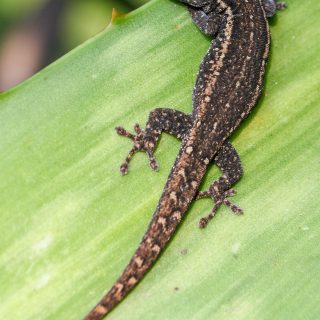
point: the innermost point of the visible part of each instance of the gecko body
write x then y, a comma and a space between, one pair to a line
228, 86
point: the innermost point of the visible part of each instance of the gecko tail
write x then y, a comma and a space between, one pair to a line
154, 241
144, 257
158, 234
179, 191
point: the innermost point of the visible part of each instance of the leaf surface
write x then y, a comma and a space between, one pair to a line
69, 222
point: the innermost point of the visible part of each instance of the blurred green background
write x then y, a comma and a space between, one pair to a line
34, 33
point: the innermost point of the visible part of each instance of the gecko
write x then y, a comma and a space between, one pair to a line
228, 86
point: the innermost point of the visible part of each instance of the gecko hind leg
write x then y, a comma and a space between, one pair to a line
229, 163
160, 119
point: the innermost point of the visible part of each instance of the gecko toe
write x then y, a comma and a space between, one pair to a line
154, 165
124, 169
203, 222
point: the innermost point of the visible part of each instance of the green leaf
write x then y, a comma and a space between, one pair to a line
69, 222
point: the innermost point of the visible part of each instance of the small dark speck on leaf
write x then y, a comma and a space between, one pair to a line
184, 252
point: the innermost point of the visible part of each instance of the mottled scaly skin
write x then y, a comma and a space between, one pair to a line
228, 86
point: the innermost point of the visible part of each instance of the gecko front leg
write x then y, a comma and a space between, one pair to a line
171, 121
208, 23
229, 163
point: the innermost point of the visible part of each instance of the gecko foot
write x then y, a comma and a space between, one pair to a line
140, 143
219, 199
